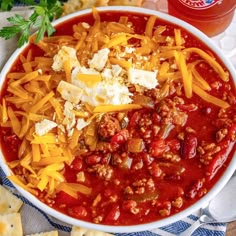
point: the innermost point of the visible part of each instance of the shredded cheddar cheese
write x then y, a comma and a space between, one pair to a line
186, 74
3, 109
112, 108
209, 98
150, 26
89, 79
215, 65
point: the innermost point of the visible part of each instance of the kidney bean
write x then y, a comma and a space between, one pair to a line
189, 146
187, 107
93, 159
192, 193
219, 159
206, 111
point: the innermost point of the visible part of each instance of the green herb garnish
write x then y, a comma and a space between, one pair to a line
44, 12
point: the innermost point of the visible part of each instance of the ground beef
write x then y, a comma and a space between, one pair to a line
108, 126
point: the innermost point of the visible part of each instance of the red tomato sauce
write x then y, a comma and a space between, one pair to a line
179, 161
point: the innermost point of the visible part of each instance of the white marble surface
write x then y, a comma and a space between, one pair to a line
226, 41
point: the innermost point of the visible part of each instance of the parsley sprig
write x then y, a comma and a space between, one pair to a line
44, 12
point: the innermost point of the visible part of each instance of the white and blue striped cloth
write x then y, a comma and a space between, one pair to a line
35, 220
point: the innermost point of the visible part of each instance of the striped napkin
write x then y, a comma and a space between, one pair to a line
35, 220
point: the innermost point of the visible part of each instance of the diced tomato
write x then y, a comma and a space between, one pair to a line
77, 164
120, 138
93, 159
134, 120
158, 147
174, 144
155, 170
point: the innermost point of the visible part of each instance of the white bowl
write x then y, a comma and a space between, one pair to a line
140, 227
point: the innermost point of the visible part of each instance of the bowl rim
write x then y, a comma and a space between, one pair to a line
140, 227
